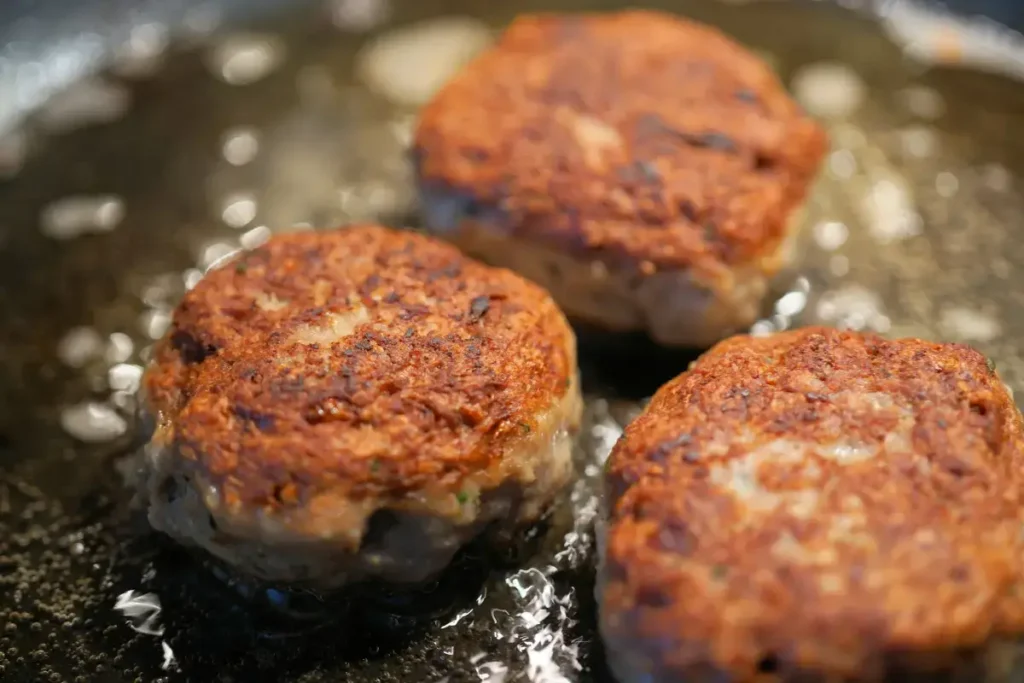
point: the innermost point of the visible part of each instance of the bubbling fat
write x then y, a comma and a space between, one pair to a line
332, 540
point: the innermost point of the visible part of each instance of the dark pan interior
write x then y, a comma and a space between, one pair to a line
109, 210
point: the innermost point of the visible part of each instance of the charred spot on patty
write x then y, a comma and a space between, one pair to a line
191, 349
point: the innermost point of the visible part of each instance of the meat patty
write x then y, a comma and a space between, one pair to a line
817, 506
357, 404
648, 171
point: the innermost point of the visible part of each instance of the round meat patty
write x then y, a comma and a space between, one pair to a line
817, 506
357, 404
648, 171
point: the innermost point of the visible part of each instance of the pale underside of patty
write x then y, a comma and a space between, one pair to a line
334, 540
675, 307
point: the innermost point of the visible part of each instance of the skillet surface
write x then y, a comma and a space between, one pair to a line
113, 202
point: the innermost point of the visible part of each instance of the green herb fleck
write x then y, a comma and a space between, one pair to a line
241, 267
374, 465
524, 427
719, 571
462, 497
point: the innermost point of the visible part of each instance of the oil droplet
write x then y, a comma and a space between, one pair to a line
255, 237
201, 21
216, 254
78, 215
790, 304
359, 15
969, 324
889, 211
88, 102
240, 146
238, 210
919, 142
853, 307
367, 200
119, 348
839, 265
92, 422
155, 323
142, 54
996, 177
79, 346
842, 163
124, 377
830, 235
923, 102
829, 89
403, 128
243, 59
162, 290
191, 278
605, 433
410, 64
946, 184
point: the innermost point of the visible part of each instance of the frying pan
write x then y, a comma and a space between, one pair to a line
120, 187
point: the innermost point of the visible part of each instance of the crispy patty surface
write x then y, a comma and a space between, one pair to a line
636, 138
327, 376
816, 505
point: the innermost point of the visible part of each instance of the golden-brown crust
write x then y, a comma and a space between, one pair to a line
636, 137
447, 366
819, 501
